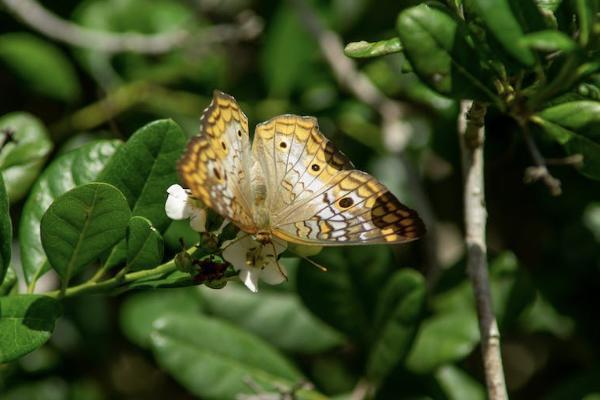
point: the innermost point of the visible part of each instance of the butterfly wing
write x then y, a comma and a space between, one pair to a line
216, 164
317, 197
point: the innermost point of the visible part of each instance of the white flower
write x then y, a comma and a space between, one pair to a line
180, 205
255, 261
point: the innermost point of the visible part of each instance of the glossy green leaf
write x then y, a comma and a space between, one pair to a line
140, 310
437, 48
145, 247
443, 338
81, 225
9, 281
26, 322
173, 279
365, 49
585, 19
42, 66
548, 5
22, 160
272, 311
458, 385
5, 231
212, 358
396, 322
72, 169
145, 167
576, 125
500, 20
346, 294
548, 41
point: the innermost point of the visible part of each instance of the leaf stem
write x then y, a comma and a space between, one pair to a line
472, 135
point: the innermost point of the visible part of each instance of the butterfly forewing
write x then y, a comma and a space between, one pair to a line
216, 165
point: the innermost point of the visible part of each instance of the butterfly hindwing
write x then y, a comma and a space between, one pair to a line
216, 164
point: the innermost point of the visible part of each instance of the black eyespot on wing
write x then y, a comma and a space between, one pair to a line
283, 145
315, 167
346, 202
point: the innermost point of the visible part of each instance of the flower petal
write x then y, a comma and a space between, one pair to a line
198, 220
235, 253
273, 274
177, 206
250, 278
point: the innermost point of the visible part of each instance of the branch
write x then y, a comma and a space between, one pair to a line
471, 135
539, 171
392, 112
38, 18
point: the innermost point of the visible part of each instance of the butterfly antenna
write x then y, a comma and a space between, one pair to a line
316, 264
277, 260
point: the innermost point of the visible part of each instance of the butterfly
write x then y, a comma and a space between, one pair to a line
291, 183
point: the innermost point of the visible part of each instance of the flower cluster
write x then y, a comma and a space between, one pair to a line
251, 258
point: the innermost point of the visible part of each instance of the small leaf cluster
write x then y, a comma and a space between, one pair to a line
535, 61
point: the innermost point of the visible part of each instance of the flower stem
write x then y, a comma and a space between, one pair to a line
116, 281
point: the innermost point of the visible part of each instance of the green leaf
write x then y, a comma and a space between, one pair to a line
548, 5
26, 323
9, 281
576, 125
458, 385
345, 295
140, 310
283, 69
212, 358
548, 41
5, 231
500, 20
173, 279
585, 19
145, 167
437, 48
22, 160
272, 311
72, 169
444, 338
145, 246
42, 66
81, 225
396, 322
365, 49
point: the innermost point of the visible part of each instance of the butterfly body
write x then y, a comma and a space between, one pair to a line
291, 183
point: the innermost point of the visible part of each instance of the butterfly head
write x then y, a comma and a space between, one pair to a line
263, 237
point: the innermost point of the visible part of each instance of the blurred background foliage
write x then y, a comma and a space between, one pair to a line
382, 316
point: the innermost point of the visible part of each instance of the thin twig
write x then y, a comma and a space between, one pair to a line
40, 19
471, 135
392, 112
539, 171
